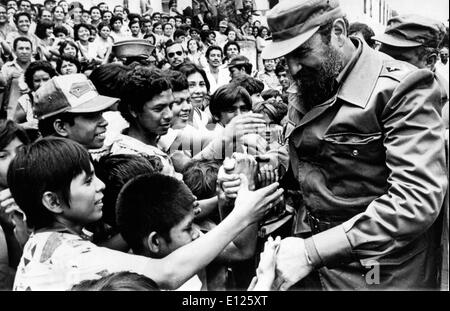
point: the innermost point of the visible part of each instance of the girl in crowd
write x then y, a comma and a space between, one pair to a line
67, 64
36, 74
103, 41
117, 33
194, 54
44, 31
68, 47
88, 50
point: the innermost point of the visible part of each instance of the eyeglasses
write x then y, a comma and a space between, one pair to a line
172, 54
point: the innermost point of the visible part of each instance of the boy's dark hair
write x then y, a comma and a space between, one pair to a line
68, 58
230, 43
141, 85
21, 39
252, 85
19, 14
201, 177
212, 48
41, 28
134, 16
177, 80
118, 281
132, 22
270, 93
115, 171
49, 164
60, 29
77, 27
109, 78
193, 29
226, 96
10, 130
34, 67
274, 109
178, 33
190, 68
150, 203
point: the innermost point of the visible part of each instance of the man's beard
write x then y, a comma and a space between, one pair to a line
317, 86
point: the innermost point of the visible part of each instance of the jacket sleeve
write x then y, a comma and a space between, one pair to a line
415, 156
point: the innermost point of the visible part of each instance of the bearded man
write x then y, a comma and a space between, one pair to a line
367, 153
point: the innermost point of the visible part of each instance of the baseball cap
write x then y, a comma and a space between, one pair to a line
223, 24
412, 31
70, 93
292, 23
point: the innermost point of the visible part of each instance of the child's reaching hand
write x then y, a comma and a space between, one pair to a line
265, 273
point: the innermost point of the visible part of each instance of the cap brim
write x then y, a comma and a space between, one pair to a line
395, 41
96, 104
275, 49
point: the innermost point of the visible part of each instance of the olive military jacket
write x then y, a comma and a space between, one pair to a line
370, 163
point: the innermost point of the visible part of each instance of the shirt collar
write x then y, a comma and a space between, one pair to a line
359, 77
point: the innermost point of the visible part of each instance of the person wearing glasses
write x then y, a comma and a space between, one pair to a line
175, 54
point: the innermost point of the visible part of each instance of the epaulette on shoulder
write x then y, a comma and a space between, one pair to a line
396, 70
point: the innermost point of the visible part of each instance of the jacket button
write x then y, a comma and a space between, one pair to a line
355, 153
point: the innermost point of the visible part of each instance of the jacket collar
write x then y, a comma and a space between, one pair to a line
358, 85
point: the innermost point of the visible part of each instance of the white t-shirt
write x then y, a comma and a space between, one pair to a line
58, 260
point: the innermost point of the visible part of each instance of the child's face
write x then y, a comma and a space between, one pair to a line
85, 203
88, 129
181, 234
7, 154
70, 50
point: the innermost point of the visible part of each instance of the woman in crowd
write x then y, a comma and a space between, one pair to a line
103, 41
22, 21
199, 90
261, 42
36, 74
44, 31
67, 64
117, 32
59, 18
70, 48
75, 15
194, 54
96, 16
88, 50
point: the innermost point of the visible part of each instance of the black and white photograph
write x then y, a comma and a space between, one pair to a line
224, 153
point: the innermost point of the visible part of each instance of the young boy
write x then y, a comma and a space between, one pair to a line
53, 181
69, 106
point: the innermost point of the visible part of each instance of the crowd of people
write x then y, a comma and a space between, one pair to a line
199, 166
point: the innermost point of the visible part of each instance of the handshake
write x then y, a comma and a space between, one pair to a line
283, 262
